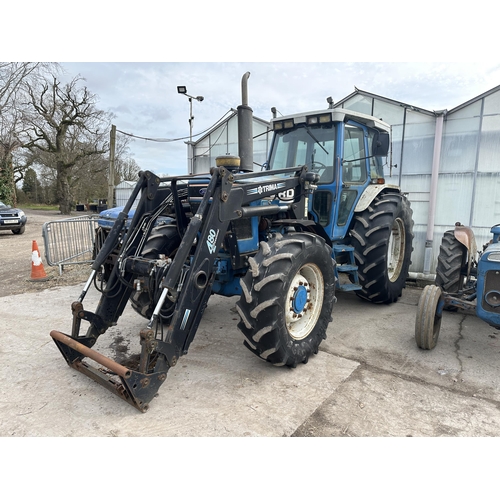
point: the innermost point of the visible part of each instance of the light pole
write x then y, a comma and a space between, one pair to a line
181, 89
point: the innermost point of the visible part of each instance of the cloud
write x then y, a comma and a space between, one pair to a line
144, 98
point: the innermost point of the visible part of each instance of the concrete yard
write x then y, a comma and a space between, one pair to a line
369, 378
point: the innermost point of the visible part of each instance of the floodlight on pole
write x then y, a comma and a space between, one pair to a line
182, 89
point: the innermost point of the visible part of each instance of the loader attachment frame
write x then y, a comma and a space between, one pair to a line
189, 279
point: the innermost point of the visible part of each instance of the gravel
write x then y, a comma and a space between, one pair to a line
15, 258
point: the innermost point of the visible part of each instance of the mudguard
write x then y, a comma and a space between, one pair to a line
465, 235
371, 192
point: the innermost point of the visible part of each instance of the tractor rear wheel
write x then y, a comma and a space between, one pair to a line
164, 240
451, 269
382, 238
429, 315
287, 298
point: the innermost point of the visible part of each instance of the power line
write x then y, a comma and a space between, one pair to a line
179, 138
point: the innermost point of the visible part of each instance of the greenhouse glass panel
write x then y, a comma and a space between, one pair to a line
460, 140
232, 133
201, 164
223, 150
390, 113
394, 116
417, 187
359, 103
397, 149
489, 148
418, 143
454, 199
486, 209
492, 104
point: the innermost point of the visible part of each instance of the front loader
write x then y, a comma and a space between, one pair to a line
273, 238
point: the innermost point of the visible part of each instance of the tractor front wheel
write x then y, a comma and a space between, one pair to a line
164, 240
287, 298
429, 315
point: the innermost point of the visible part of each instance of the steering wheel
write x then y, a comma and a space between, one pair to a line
317, 163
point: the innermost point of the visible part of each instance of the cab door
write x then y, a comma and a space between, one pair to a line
333, 203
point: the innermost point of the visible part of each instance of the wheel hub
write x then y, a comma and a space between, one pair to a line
299, 299
304, 301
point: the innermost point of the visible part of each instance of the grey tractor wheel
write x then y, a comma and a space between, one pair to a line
287, 298
382, 237
451, 269
164, 240
429, 315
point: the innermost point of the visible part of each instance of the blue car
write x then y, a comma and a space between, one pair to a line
107, 217
12, 219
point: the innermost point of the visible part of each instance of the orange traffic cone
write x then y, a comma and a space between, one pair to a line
37, 270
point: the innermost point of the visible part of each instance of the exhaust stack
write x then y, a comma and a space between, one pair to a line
245, 128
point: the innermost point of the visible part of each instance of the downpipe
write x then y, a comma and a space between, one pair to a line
433, 192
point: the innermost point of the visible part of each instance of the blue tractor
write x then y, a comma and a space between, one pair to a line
466, 280
318, 217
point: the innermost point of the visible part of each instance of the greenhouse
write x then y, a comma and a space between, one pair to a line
448, 161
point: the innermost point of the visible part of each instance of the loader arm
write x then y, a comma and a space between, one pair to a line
188, 282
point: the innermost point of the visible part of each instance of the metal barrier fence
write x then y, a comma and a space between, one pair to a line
70, 241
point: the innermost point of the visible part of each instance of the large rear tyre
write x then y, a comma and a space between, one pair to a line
382, 238
164, 240
429, 315
451, 269
287, 298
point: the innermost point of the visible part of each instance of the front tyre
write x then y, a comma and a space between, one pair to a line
164, 240
287, 298
382, 238
429, 316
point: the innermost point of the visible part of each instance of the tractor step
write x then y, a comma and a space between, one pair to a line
346, 268
346, 253
348, 287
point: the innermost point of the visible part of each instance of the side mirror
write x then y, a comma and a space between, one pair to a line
380, 144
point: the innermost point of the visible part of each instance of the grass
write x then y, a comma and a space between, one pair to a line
35, 206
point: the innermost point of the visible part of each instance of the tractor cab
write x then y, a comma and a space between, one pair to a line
346, 149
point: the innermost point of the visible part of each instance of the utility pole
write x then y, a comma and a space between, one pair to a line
111, 177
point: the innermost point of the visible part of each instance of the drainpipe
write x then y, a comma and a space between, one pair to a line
433, 193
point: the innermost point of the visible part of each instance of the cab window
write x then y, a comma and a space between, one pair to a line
354, 162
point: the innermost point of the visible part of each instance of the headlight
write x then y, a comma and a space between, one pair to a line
21, 213
317, 119
493, 256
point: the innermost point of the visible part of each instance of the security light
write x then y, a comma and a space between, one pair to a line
181, 89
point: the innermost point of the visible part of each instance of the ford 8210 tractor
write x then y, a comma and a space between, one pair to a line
280, 239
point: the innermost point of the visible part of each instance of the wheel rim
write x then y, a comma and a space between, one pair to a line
304, 301
396, 250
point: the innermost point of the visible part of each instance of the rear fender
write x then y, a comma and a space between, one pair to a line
371, 192
465, 235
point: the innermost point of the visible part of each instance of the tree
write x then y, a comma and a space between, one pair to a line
127, 169
64, 131
13, 77
31, 185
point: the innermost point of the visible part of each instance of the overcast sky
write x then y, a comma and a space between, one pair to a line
143, 95
145, 101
